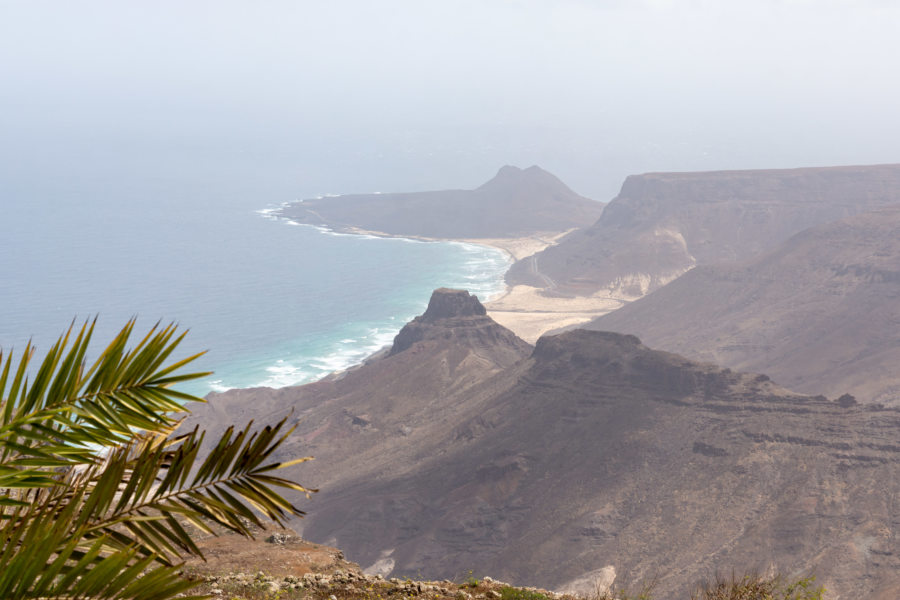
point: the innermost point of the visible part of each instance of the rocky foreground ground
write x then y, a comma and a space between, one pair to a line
280, 565
349, 585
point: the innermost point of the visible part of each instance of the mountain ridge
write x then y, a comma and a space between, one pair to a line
587, 453
663, 224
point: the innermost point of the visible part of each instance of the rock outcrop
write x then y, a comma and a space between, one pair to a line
515, 203
457, 315
663, 224
378, 416
446, 303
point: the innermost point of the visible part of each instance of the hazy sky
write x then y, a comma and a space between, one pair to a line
344, 96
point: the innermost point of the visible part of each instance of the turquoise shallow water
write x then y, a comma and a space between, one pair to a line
375, 286
273, 303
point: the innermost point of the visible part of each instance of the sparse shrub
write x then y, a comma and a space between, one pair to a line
511, 593
96, 488
755, 587
623, 593
846, 401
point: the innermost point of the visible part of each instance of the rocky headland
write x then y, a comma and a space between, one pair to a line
519, 211
516, 203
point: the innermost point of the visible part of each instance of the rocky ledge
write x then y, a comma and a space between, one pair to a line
354, 585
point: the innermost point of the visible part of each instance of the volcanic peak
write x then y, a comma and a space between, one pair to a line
446, 303
458, 317
512, 179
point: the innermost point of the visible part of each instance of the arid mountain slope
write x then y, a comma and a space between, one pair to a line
662, 224
820, 314
594, 451
605, 453
515, 203
380, 417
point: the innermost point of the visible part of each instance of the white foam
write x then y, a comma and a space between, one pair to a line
481, 271
283, 374
218, 386
332, 362
362, 236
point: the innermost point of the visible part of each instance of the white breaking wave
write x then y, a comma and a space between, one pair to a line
217, 386
480, 269
339, 356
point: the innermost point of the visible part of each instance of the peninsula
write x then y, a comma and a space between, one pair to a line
519, 211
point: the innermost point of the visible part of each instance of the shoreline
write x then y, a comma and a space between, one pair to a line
524, 309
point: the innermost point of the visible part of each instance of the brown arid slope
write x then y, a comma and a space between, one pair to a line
591, 457
378, 418
279, 565
820, 314
663, 224
515, 203
276, 552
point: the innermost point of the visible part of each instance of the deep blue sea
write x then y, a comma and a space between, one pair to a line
274, 304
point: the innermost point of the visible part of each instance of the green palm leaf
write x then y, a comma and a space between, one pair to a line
95, 491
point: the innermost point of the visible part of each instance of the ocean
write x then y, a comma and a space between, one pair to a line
273, 303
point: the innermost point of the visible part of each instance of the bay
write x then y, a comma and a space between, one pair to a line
271, 303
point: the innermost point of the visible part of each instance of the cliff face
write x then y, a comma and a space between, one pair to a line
820, 313
589, 454
663, 224
516, 202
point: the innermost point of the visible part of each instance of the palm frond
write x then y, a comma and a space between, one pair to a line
152, 489
96, 492
67, 412
47, 555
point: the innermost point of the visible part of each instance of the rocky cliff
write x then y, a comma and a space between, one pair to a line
663, 224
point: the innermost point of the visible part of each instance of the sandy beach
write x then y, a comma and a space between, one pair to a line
527, 310
524, 309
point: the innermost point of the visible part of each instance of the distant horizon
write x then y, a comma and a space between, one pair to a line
406, 96
152, 134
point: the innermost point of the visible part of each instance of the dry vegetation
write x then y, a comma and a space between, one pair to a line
357, 586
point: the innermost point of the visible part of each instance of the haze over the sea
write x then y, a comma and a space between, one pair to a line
138, 141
